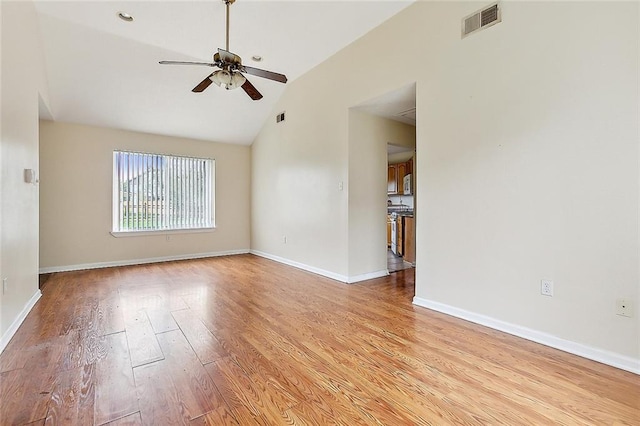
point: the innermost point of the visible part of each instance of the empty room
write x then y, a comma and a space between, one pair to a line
194, 225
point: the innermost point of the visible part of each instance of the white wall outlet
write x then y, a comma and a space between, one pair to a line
340, 186
168, 237
5, 285
624, 308
284, 239
546, 287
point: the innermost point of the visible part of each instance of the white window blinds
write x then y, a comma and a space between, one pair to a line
154, 192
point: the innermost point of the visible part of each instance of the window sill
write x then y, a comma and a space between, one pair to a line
124, 234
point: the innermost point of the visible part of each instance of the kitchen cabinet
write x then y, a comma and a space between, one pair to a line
392, 179
402, 171
409, 239
395, 177
400, 237
409, 171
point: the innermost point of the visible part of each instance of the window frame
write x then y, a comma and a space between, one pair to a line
115, 202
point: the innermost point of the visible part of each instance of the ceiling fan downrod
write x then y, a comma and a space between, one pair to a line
228, 3
230, 75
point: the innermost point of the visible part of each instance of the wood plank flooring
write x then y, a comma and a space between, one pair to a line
243, 340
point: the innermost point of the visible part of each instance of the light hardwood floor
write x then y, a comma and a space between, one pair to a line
244, 340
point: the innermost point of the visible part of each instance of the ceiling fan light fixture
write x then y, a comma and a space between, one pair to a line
228, 80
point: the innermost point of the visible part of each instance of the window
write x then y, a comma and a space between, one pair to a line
154, 192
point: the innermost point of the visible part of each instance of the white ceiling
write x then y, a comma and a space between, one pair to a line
399, 105
104, 71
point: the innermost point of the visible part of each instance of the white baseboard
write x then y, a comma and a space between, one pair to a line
606, 357
318, 271
369, 276
98, 265
324, 273
6, 337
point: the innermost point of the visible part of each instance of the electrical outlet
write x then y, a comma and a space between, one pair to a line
546, 287
284, 239
5, 285
624, 308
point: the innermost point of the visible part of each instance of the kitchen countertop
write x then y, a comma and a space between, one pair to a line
406, 213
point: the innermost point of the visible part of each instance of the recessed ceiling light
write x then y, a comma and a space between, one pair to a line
256, 58
125, 16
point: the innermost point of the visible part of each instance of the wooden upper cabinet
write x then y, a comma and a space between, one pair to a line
402, 171
395, 176
392, 179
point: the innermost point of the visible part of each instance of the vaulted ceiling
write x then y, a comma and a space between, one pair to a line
104, 71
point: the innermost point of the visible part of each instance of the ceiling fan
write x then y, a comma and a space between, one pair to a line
229, 76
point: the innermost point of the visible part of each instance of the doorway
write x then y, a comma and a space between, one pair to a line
395, 114
400, 207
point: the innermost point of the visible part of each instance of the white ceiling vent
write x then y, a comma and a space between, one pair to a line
481, 19
409, 114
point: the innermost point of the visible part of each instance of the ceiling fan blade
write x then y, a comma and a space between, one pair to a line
227, 56
209, 64
203, 84
251, 91
265, 74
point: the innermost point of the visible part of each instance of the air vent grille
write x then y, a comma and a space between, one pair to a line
489, 15
408, 114
481, 19
471, 24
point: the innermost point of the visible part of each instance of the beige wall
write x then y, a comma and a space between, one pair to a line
22, 82
297, 168
368, 139
75, 198
527, 163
